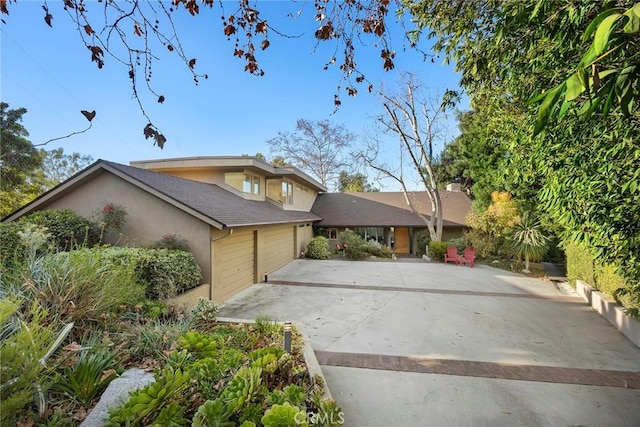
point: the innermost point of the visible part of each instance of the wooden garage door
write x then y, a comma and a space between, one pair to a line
234, 260
278, 247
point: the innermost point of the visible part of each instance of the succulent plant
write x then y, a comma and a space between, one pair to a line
244, 386
284, 416
213, 413
199, 344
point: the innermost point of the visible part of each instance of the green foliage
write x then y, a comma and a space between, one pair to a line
293, 394
356, 246
318, 248
378, 250
284, 415
213, 413
155, 338
165, 273
437, 250
267, 327
244, 387
11, 253
583, 265
422, 241
199, 344
491, 228
204, 312
145, 405
68, 230
528, 240
353, 183
173, 242
58, 166
170, 416
20, 161
111, 216
329, 413
25, 337
88, 377
79, 286
266, 358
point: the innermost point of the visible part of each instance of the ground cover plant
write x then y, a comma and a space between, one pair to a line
206, 372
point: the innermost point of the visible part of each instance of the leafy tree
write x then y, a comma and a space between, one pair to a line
58, 166
316, 147
415, 121
19, 161
353, 183
584, 170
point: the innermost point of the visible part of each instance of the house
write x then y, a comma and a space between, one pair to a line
242, 218
386, 216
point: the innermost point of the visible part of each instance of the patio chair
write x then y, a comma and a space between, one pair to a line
451, 255
469, 256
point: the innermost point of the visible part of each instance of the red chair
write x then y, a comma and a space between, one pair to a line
451, 255
469, 256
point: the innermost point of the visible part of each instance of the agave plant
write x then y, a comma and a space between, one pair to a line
528, 240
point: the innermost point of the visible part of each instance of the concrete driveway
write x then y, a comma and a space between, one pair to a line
425, 344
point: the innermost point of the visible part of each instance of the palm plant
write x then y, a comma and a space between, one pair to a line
528, 240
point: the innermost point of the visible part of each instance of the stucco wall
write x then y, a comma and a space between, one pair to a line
148, 217
302, 200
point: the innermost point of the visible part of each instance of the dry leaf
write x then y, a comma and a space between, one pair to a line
88, 115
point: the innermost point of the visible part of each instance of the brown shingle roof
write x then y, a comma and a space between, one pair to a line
209, 202
382, 209
215, 202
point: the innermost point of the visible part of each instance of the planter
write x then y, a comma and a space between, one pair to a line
610, 310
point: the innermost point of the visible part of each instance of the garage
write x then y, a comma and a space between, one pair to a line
234, 261
278, 247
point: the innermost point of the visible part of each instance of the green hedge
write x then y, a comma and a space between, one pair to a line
165, 273
10, 247
68, 229
582, 265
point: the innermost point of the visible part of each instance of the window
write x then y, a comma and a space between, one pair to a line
287, 192
251, 184
332, 233
245, 182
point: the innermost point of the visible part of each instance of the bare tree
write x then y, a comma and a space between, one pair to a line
417, 122
316, 147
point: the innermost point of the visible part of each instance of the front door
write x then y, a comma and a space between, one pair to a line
401, 237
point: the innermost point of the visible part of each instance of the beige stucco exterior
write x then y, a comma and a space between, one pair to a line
148, 217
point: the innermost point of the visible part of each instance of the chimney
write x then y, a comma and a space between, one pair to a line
453, 187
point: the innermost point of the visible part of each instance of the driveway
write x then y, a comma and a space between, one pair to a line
425, 344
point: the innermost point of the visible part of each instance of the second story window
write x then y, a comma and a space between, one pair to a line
287, 192
251, 184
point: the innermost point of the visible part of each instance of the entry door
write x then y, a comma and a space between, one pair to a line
401, 245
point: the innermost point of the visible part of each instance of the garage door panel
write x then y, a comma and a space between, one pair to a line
278, 247
235, 260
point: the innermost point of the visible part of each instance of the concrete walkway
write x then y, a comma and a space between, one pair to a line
410, 344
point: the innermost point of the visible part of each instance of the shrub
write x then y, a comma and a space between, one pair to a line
459, 242
89, 376
437, 250
81, 286
111, 216
68, 230
377, 250
422, 240
356, 246
164, 273
173, 242
23, 341
318, 248
11, 254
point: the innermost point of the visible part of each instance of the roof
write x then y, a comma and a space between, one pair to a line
386, 209
208, 202
230, 163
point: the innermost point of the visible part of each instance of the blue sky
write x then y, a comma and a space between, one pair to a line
49, 72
